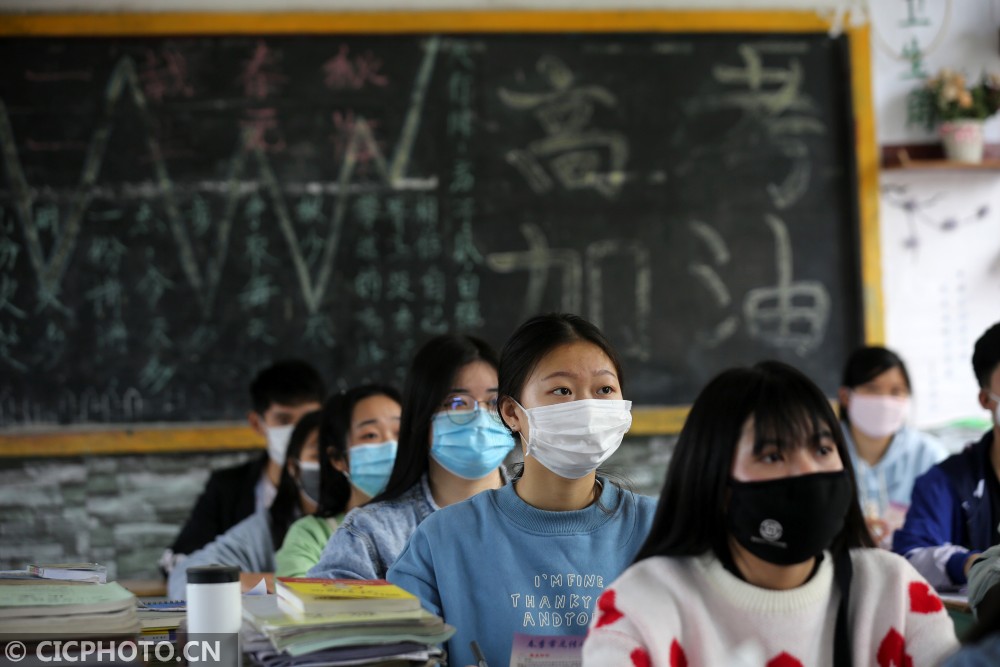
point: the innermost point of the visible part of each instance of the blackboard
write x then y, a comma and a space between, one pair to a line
177, 210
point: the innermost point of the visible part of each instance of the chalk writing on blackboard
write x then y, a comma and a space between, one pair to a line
224, 201
572, 150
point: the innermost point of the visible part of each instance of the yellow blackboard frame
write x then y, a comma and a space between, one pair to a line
162, 438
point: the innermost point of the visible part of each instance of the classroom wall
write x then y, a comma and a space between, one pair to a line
940, 291
939, 230
123, 511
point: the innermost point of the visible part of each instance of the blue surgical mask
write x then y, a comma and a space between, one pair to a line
371, 466
471, 450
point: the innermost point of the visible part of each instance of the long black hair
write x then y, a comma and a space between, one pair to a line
334, 488
286, 507
867, 363
785, 406
429, 380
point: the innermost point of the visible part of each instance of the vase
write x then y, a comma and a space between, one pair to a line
962, 139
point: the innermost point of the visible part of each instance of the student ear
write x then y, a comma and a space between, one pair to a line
512, 417
257, 423
509, 413
339, 463
984, 399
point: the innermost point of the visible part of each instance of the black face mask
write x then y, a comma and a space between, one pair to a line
789, 520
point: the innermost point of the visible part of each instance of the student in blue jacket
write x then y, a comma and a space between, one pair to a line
534, 556
888, 455
955, 510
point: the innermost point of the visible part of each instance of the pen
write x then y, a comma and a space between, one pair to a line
478, 653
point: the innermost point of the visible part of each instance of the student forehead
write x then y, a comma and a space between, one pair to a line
890, 376
575, 360
376, 421
371, 411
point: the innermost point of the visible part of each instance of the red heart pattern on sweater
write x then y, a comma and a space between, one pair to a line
923, 600
892, 651
784, 660
606, 607
677, 657
640, 658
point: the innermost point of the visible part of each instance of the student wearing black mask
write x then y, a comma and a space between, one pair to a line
759, 552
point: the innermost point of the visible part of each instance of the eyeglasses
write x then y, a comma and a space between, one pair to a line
461, 408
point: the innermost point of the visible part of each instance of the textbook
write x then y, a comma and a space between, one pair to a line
53, 608
298, 635
330, 596
94, 573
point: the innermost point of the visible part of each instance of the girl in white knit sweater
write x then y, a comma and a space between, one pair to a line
757, 538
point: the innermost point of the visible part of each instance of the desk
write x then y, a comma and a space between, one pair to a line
145, 588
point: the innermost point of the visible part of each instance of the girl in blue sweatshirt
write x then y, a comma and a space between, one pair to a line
533, 557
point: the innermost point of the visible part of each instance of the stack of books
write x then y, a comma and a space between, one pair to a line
342, 622
161, 619
64, 610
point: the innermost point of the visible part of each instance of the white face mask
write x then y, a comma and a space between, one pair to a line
572, 439
878, 416
277, 442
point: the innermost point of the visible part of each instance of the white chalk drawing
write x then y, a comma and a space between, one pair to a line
50, 267
611, 250
709, 277
788, 315
539, 259
572, 153
774, 97
919, 213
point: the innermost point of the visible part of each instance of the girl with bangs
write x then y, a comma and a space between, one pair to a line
759, 553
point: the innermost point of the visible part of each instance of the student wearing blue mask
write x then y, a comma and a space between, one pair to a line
357, 449
451, 447
533, 557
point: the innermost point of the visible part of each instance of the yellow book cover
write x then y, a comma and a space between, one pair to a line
314, 595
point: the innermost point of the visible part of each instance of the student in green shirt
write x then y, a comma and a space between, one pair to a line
357, 449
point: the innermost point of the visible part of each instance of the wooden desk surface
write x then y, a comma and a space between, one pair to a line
145, 588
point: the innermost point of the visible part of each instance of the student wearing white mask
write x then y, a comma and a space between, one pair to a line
888, 454
357, 449
534, 556
450, 448
280, 395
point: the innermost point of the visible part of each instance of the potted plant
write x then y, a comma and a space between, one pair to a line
958, 110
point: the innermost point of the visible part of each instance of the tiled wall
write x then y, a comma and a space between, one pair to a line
123, 511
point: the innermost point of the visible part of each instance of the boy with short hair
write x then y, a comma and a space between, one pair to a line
955, 511
280, 395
